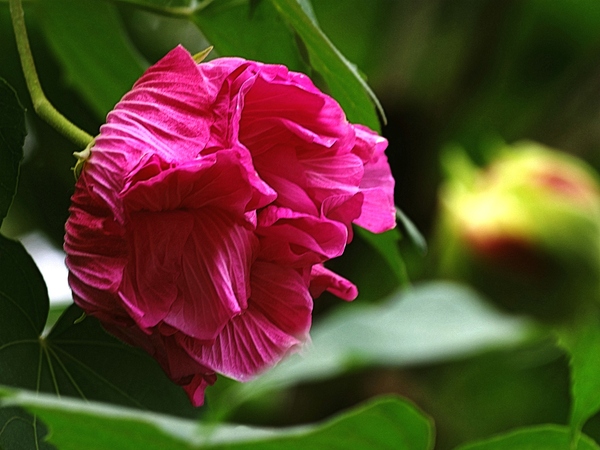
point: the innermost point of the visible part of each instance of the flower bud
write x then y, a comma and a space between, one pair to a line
525, 231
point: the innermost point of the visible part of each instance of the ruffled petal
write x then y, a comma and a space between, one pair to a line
221, 180
96, 249
195, 386
276, 322
96, 259
280, 96
323, 279
188, 258
168, 112
378, 212
295, 239
215, 271
99, 303
156, 243
301, 146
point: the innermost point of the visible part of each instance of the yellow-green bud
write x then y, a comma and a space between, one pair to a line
525, 230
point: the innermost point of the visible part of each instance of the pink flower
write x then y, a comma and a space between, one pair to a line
213, 196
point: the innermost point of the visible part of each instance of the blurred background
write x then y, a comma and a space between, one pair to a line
468, 73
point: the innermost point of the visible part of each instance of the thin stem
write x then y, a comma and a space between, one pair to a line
41, 105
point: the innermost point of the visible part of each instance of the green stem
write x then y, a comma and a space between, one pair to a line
41, 105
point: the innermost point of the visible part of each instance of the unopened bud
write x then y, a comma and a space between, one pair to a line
525, 230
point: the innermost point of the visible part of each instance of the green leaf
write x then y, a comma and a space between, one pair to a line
345, 82
386, 423
89, 40
426, 324
77, 358
12, 137
255, 32
21, 430
541, 437
23, 308
167, 6
91, 364
412, 231
386, 245
23, 303
582, 342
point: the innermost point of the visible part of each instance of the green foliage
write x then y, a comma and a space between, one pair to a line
168, 6
265, 37
543, 437
12, 137
23, 307
386, 244
582, 341
104, 65
387, 423
412, 232
21, 430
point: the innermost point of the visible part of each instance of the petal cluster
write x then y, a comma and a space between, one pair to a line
212, 197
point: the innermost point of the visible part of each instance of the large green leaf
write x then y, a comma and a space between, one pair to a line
12, 137
345, 82
582, 342
426, 324
541, 437
387, 423
254, 32
89, 40
77, 358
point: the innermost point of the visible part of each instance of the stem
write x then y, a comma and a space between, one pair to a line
41, 104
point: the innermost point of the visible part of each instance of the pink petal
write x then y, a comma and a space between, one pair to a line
96, 250
100, 303
344, 209
377, 185
214, 284
95, 259
301, 146
280, 95
211, 193
169, 113
182, 369
322, 279
280, 293
156, 243
169, 110
296, 239
281, 169
276, 322
220, 179
188, 258
195, 387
